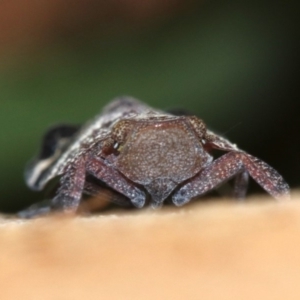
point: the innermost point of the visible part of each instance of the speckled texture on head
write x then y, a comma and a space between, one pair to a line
160, 154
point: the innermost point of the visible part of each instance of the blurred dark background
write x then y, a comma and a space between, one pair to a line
233, 63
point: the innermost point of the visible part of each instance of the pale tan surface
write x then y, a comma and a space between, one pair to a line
204, 251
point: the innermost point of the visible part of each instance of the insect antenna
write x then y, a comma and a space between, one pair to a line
231, 128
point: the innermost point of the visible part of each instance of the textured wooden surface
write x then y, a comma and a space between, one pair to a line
217, 250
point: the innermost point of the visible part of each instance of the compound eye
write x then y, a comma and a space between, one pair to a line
198, 125
120, 133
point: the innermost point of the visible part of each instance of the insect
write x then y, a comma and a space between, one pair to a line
146, 155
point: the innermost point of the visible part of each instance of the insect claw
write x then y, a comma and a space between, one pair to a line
139, 200
181, 197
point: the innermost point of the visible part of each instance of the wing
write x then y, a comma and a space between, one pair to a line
64, 143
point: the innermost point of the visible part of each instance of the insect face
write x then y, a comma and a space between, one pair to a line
159, 155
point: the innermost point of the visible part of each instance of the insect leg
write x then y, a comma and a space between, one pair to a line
71, 187
226, 167
116, 181
67, 197
241, 185
37, 209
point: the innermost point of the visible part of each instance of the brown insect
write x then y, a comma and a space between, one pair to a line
145, 154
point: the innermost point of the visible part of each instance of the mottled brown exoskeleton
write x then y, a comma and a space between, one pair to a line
143, 153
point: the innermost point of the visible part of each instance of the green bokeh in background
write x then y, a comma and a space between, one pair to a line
214, 62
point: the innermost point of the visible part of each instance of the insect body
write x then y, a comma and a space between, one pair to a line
144, 153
